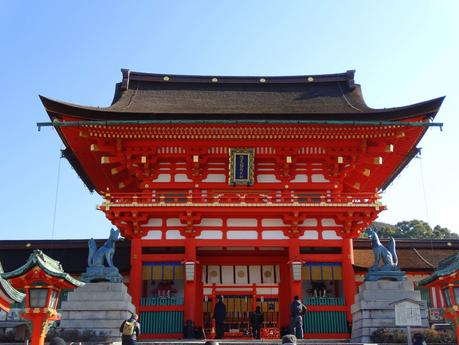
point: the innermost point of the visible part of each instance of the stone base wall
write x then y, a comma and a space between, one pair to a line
97, 308
373, 308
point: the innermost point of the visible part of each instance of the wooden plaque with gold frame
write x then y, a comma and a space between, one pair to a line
241, 166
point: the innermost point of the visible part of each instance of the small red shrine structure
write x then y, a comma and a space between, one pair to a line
8, 294
247, 187
445, 279
42, 278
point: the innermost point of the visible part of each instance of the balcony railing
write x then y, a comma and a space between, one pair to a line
240, 198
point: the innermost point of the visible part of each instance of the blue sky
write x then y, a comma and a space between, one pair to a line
403, 51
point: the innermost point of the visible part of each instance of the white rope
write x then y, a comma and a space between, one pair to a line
56, 196
424, 192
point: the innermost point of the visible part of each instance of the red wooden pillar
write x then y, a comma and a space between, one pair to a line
199, 312
190, 285
135, 277
284, 295
350, 288
294, 255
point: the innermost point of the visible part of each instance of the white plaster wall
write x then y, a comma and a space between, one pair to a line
211, 222
173, 235
330, 235
173, 222
182, 178
273, 235
300, 178
153, 235
210, 235
310, 235
241, 222
272, 222
267, 178
309, 222
329, 222
318, 178
163, 178
215, 178
242, 235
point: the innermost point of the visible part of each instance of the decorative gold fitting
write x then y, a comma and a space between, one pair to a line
143, 159
389, 148
378, 160
195, 158
288, 159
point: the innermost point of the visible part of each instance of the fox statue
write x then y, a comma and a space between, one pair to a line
96, 256
387, 255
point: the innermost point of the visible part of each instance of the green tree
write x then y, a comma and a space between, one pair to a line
416, 229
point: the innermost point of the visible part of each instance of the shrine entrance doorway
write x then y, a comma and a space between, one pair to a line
241, 301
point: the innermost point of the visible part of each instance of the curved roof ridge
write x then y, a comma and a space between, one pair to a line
129, 76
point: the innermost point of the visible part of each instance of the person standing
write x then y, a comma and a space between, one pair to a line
257, 322
297, 310
219, 317
130, 329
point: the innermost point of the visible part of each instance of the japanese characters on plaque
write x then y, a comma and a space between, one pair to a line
241, 166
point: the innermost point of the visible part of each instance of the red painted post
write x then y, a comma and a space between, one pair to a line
135, 277
284, 295
190, 285
348, 275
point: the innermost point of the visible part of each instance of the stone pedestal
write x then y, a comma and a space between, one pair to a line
373, 310
97, 310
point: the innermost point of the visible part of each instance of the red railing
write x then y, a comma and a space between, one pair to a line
209, 197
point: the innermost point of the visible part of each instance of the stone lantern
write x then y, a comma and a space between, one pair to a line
42, 278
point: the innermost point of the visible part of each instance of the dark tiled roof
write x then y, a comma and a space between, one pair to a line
177, 97
446, 267
413, 255
72, 254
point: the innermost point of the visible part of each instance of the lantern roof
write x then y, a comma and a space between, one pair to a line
8, 291
446, 267
50, 266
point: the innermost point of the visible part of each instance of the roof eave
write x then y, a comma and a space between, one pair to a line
56, 109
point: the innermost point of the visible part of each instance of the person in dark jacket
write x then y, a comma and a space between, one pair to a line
130, 329
296, 317
219, 317
257, 322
